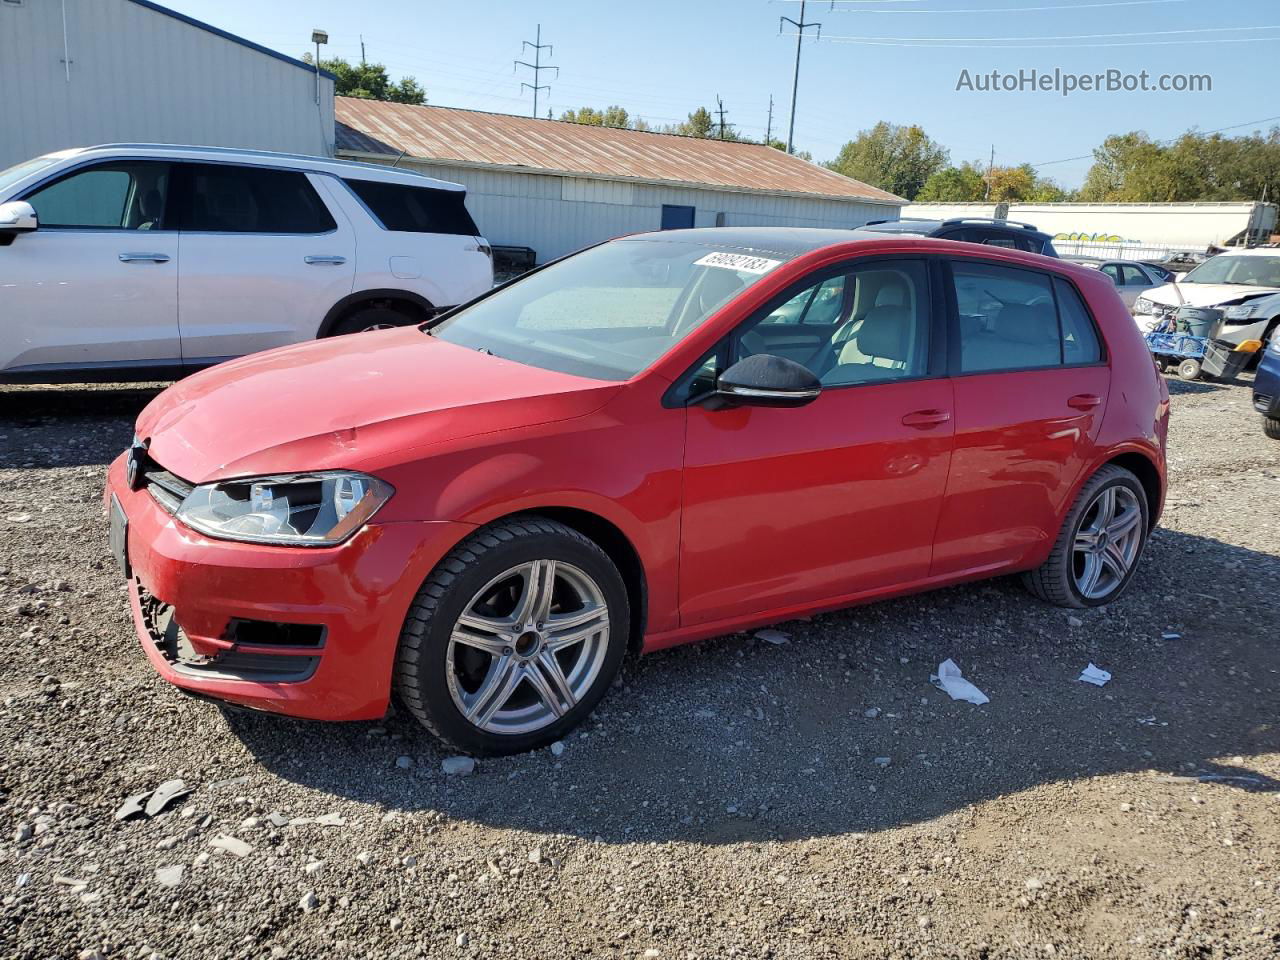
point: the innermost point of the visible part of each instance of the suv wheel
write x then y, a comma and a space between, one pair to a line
1099, 546
514, 638
371, 318
1271, 427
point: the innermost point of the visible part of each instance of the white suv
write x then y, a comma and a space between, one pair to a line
138, 261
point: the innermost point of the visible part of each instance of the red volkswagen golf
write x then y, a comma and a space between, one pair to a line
659, 439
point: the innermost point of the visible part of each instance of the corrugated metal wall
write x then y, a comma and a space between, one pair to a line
556, 215
139, 75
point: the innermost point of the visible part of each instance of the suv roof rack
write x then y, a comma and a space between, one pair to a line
954, 221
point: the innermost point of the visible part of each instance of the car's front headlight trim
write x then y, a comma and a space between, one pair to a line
316, 509
1239, 311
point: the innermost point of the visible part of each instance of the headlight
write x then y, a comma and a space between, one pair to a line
1241, 311
1144, 306
305, 509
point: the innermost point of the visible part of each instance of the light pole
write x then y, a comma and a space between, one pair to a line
318, 37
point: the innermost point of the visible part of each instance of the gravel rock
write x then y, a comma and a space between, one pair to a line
458, 766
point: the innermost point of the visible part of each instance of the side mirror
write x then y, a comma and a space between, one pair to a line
17, 216
764, 380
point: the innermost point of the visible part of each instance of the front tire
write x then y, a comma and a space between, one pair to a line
1099, 546
514, 637
1271, 427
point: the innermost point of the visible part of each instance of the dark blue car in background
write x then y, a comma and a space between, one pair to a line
1266, 388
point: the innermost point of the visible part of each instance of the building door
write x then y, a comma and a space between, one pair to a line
676, 217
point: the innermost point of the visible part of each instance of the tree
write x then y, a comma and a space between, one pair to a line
613, 116
698, 125
962, 184
896, 158
369, 81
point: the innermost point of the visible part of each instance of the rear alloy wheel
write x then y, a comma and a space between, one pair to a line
514, 638
1099, 546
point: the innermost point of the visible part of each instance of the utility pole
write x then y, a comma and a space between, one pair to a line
990, 165
537, 67
800, 26
720, 110
768, 129
362, 62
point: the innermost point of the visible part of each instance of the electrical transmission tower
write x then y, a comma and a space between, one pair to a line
801, 27
537, 67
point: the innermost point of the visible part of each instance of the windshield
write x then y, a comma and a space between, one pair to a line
1251, 271
610, 311
20, 170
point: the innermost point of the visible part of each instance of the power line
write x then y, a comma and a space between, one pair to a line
1051, 42
801, 26
1166, 140
537, 67
1071, 9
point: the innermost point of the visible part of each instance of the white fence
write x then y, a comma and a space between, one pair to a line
1115, 251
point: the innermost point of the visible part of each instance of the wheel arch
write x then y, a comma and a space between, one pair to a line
610, 538
1148, 474
389, 296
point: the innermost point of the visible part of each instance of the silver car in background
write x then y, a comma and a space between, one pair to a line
1131, 277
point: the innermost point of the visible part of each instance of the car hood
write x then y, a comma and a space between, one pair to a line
353, 402
1206, 294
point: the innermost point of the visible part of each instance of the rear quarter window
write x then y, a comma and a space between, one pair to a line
407, 209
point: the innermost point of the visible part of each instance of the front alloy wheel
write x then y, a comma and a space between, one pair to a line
528, 647
514, 637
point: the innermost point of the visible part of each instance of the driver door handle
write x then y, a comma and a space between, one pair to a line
924, 419
150, 257
1084, 401
312, 258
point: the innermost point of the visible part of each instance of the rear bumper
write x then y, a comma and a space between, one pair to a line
342, 607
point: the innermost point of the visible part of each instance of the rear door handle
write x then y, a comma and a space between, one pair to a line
1084, 401
152, 257
924, 419
333, 260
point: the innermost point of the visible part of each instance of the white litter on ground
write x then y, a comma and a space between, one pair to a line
776, 637
949, 680
1094, 675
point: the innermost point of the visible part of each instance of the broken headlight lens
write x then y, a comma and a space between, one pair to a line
1144, 306
307, 510
1240, 311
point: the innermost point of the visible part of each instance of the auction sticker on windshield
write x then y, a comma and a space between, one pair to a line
742, 262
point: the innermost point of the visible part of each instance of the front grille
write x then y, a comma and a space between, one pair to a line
169, 490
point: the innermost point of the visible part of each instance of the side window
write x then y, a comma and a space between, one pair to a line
1079, 336
867, 325
416, 209
1112, 271
223, 198
121, 195
1133, 276
1008, 320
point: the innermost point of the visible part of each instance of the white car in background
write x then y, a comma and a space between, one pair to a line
1244, 284
141, 261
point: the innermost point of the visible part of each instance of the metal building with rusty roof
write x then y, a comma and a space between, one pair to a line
557, 186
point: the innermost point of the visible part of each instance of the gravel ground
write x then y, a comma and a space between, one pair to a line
739, 798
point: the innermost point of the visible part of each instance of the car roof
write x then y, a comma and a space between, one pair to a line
792, 242
1250, 252
929, 225
262, 158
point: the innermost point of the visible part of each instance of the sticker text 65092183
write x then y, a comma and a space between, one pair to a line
742, 262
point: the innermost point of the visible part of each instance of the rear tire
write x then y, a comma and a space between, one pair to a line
488, 661
1086, 568
1271, 427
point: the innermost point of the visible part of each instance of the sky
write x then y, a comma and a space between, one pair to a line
894, 60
